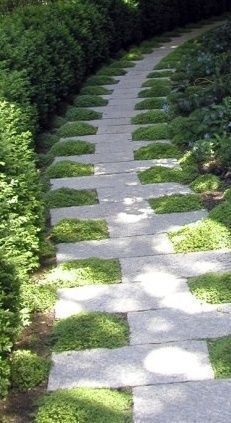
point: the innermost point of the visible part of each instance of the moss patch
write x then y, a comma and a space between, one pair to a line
205, 183
101, 80
76, 113
220, 356
161, 74
159, 88
157, 151
90, 330
159, 174
90, 101
213, 288
72, 129
75, 148
75, 230
68, 197
151, 103
67, 168
151, 133
154, 116
176, 203
95, 90
80, 405
111, 71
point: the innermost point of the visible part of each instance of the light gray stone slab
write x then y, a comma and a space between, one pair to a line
131, 102
121, 298
124, 146
105, 128
98, 138
91, 182
141, 192
191, 402
120, 112
123, 91
106, 157
131, 366
115, 121
170, 325
132, 166
174, 265
134, 246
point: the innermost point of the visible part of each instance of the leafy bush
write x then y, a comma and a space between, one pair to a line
28, 369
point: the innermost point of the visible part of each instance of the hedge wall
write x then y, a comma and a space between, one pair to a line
46, 51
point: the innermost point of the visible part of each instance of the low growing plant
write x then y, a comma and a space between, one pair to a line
75, 230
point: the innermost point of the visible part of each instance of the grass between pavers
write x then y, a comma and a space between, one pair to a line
157, 151
159, 85
111, 71
43, 294
122, 63
212, 233
205, 183
155, 132
213, 288
90, 101
161, 74
176, 203
101, 80
72, 129
158, 91
75, 230
85, 405
67, 168
95, 90
151, 103
76, 113
72, 148
69, 197
90, 330
153, 116
220, 356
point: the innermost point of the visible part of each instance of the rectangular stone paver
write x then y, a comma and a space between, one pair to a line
105, 157
131, 366
122, 298
191, 402
135, 246
180, 265
91, 182
98, 138
158, 326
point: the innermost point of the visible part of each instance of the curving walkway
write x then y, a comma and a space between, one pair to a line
168, 326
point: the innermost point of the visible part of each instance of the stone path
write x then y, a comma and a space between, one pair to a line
167, 361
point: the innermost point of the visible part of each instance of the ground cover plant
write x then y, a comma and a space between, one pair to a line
95, 90
213, 288
153, 116
206, 182
151, 103
90, 101
72, 148
69, 197
157, 151
74, 230
76, 113
219, 353
156, 132
176, 203
76, 129
67, 168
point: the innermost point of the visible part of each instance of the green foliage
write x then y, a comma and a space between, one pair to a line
176, 203
67, 168
72, 148
90, 101
75, 113
76, 129
74, 230
161, 74
79, 405
28, 369
219, 353
101, 80
213, 288
69, 197
106, 70
159, 131
157, 151
162, 88
151, 103
90, 330
205, 183
94, 90
154, 116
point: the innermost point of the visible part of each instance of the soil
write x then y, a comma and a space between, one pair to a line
212, 199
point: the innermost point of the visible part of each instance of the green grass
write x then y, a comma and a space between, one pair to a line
90, 330
212, 233
153, 116
159, 174
151, 133
112, 71
75, 230
176, 203
85, 406
76, 113
159, 85
73, 129
69, 197
151, 103
220, 356
205, 183
213, 288
101, 80
160, 74
72, 148
157, 151
94, 90
134, 54
122, 63
90, 101
67, 168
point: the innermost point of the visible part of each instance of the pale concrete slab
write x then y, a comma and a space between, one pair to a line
98, 138
177, 324
145, 269
131, 366
105, 128
122, 298
106, 157
134, 246
191, 402
91, 182
132, 166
